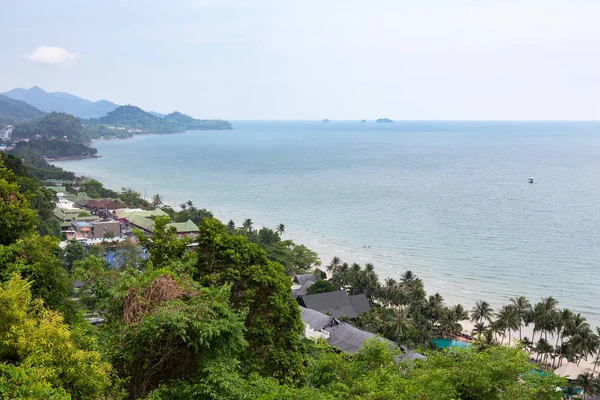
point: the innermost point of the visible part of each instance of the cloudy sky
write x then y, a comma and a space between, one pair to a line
313, 59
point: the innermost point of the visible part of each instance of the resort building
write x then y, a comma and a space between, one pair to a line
6, 133
66, 217
144, 220
344, 336
337, 304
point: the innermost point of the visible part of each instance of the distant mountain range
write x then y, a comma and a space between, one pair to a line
62, 102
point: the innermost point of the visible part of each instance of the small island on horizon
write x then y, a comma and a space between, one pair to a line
362, 121
325, 120
384, 121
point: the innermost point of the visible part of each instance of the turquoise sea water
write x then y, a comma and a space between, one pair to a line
448, 200
442, 343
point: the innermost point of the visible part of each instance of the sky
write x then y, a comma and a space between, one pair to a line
313, 59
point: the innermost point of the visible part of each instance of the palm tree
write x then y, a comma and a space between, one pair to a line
545, 315
543, 348
509, 319
596, 346
334, 265
478, 329
157, 201
449, 322
522, 306
408, 277
588, 384
231, 226
563, 322
280, 229
371, 279
485, 340
247, 225
482, 311
355, 276
497, 326
400, 323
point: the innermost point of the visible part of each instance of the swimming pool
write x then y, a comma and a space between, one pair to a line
443, 343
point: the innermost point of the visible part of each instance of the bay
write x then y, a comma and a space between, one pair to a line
448, 200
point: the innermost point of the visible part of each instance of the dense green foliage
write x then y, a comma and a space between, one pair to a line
40, 199
16, 111
53, 126
94, 188
55, 148
219, 322
180, 122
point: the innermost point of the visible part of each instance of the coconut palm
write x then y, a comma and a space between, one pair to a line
545, 315
334, 265
522, 306
563, 321
449, 322
157, 201
355, 277
481, 312
499, 328
509, 319
400, 323
543, 349
230, 226
280, 229
485, 340
247, 225
478, 329
588, 384
371, 279
596, 348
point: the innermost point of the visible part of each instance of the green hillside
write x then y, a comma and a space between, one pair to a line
54, 125
15, 111
132, 117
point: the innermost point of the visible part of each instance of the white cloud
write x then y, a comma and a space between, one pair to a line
50, 55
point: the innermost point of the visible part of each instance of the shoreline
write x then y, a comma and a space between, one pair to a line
69, 158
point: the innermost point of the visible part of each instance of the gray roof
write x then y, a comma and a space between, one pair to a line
337, 304
348, 338
315, 319
301, 279
302, 290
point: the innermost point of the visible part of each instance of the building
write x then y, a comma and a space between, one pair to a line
144, 220
337, 304
103, 207
344, 336
66, 216
6, 133
102, 228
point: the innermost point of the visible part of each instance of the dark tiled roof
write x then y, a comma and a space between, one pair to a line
301, 279
338, 304
302, 290
348, 338
315, 319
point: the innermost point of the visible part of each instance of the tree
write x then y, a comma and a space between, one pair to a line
588, 384
522, 306
247, 226
545, 315
263, 291
280, 229
321, 286
34, 259
157, 201
481, 312
36, 342
509, 319
16, 218
72, 252
230, 227
164, 247
333, 266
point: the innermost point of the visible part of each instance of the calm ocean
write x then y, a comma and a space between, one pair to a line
448, 200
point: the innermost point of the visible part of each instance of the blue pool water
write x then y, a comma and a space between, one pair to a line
442, 343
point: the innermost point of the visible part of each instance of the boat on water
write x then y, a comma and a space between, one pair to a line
530, 179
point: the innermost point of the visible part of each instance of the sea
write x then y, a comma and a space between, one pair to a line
449, 201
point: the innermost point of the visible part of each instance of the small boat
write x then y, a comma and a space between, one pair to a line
530, 179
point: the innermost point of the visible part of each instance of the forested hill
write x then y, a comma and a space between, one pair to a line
15, 111
134, 118
53, 126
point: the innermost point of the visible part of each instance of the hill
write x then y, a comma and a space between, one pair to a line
53, 126
183, 122
62, 102
384, 121
15, 111
134, 118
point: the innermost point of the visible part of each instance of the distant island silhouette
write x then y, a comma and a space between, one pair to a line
325, 120
362, 121
384, 121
